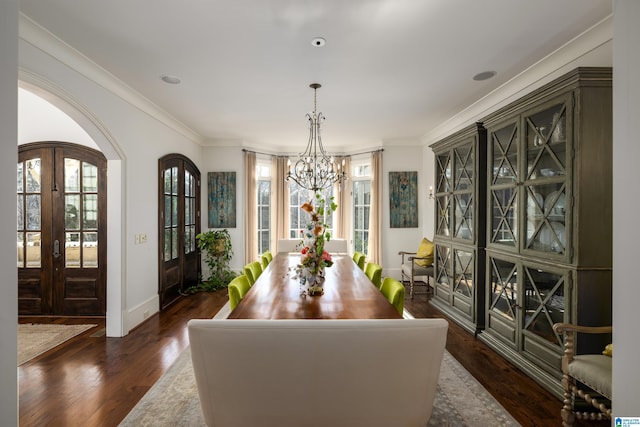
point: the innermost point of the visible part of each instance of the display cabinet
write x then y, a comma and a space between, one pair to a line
460, 198
548, 220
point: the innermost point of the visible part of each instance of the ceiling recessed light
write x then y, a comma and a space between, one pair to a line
171, 79
484, 75
318, 42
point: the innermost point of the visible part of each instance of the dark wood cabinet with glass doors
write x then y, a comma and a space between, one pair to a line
459, 237
549, 210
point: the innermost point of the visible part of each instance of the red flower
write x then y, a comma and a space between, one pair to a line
304, 250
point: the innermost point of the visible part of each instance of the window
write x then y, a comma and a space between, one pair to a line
361, 179
298, 219
263, 177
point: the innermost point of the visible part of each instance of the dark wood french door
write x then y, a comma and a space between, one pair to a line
61, 234
179, 223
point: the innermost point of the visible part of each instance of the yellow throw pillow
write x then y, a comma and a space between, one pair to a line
608, 350
425, 251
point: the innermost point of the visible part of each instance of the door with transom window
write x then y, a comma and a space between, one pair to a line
61, 230
179, 223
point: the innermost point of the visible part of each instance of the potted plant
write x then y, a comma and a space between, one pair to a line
217, 250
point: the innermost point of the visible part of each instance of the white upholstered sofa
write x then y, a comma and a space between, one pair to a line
317, 373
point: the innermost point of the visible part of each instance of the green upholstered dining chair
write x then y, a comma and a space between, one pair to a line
393, 291
266, 257
253, 270
237, 288
358, 258
374, 272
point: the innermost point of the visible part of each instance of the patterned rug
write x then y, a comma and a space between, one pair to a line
460, 399
35, 339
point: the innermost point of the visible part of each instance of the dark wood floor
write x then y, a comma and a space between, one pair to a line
92, 380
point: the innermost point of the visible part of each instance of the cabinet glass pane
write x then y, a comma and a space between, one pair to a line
504, 146
444, 221
463, 216
444, 270
504, 288
464, 277
504, 216
464, 165
20, 246
546, 218
443, 171
544, 303
546, 143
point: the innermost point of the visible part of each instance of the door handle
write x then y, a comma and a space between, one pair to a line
56, 248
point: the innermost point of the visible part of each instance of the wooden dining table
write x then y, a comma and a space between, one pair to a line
348, 294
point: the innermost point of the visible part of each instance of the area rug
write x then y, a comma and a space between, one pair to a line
35, 339
460, 399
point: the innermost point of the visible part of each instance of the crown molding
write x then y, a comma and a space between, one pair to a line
39, 37
555, 64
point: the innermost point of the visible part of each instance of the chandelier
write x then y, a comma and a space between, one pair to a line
315, 170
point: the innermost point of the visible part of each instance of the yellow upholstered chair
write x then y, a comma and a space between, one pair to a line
266, 257
358, 258
374, 273
418, 265
253, 270
585, 376
237, 288
393, 291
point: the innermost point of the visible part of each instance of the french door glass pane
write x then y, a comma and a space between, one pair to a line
20, 245
90, 249
71, 211
33, 250
20, 212
72, 249
20, 183
33, 175
33, 212
90, 211
89, 178
71, 175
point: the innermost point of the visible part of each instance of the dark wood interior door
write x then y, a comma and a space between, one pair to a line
179, 223
61, 239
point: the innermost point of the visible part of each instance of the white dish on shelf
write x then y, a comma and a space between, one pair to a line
533, 210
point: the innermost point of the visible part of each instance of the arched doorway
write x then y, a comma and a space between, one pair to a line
61, 230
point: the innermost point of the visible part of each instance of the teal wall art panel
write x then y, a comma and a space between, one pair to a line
403, 199
222, 199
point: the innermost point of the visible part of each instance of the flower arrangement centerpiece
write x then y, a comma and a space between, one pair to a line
314, 258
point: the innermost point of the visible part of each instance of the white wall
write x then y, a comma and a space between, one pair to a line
8, 160
626, 232
402, 159
226, 159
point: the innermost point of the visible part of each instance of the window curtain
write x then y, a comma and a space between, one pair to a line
251, 208
280, 200
375, 216
343, 200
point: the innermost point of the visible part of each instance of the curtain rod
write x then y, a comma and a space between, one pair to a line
336, 155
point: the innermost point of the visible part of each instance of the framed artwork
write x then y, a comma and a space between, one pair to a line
403, 199
222, 199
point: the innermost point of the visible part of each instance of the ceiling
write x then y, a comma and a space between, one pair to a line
390, 69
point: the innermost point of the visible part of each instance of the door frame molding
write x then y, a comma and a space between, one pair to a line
117, 321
